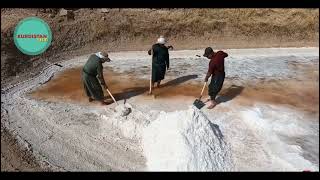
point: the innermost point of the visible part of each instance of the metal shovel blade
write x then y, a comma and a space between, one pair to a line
198, 103
122, 110
126, 112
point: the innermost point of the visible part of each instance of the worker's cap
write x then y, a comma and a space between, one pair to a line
207, 51
161, 40
103, 55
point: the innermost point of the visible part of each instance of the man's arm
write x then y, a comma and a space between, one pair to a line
100, 76
210, 72
167, 63
170, 47
225, 54
151, 51
207, 76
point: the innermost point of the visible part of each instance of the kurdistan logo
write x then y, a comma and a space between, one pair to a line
32, 36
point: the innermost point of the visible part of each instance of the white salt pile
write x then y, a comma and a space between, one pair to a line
281, 139
129, 125
185, 141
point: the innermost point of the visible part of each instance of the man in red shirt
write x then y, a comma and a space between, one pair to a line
216, 70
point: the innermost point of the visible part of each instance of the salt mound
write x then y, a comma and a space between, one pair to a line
131, 125
185, 141
280, 140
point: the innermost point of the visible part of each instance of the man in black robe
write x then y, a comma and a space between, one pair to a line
160, 60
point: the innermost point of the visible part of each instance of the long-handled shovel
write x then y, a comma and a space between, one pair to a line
150, 89
150, 85
198, 103
124, 111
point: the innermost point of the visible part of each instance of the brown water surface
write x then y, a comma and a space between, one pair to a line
67, 86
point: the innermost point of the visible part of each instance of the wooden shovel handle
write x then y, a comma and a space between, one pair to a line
112, 96
150, 90
202, 90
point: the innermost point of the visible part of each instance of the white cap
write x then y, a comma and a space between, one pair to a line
161, 40
99, 54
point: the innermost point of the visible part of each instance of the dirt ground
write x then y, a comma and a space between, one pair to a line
137, 29
14, 157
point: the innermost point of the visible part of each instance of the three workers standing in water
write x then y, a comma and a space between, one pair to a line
160, 64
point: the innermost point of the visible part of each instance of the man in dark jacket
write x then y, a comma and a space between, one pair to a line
92, 73
216, 70
160, 60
